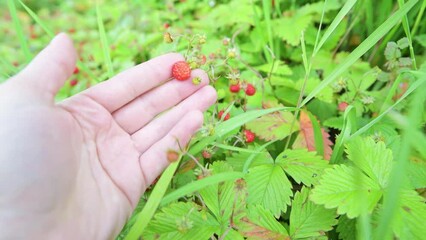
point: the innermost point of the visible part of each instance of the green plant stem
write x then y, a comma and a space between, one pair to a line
419, 18
406, 27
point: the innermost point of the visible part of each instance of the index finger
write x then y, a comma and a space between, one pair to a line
126, 86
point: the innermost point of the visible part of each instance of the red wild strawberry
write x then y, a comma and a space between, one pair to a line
73, 82
181, 71
249, 136
250, 89
220, 114
76, 70
206, 154
342, 106
234, 88
166, 25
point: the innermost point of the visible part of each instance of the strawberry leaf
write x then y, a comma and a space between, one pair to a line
372, 158
342, 186
260, 224
308, 219
306, 137
268, 186
303, 166
290, 28
238, 160
273, 126
346, 228
219, 197
410, 217
181, 221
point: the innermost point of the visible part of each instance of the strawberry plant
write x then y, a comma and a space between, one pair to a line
319, 128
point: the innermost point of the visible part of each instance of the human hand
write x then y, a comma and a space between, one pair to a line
76, 169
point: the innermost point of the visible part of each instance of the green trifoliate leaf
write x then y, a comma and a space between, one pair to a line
182, 221
307, 219
347, 189
268, 186
303, 166
372, 158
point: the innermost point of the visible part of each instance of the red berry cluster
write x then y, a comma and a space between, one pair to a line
220, 115
249, 89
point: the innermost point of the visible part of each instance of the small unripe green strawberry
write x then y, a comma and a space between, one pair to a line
232, 53
167, 37
202, 39
181, 71
196, 80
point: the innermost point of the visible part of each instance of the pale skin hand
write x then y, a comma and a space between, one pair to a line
76, 169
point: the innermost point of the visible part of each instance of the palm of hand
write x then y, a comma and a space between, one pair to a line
86, 161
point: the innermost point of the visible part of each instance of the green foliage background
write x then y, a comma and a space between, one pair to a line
353, 167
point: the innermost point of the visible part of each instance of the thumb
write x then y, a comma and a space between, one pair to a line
48, 71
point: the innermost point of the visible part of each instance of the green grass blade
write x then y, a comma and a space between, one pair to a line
104, 41
153, 202
398, 174
412, 88
235, 149
391, 93
406, 27
318, 138
339, 17
267, 15
10, 69
19, 31
369, 15
253, 155
200, 184
81, 65
419, 18
37, 19
349, 124
362, 48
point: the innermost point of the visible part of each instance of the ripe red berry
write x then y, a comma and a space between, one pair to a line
342, 106
234, 88
206, 154
73, 82
181, 71
250, 89
220, 114
166, 25
76, 70
249, 136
